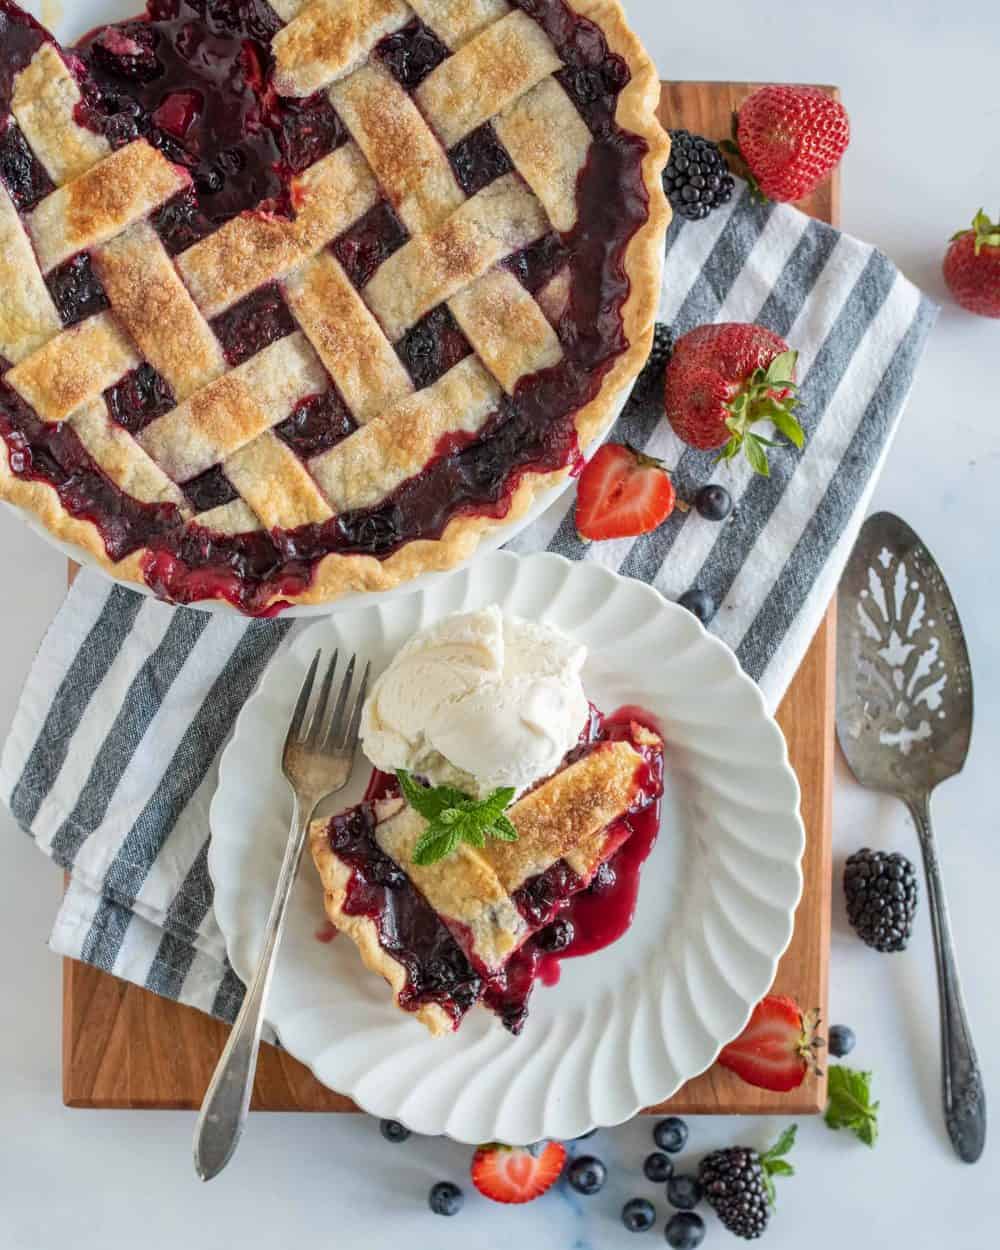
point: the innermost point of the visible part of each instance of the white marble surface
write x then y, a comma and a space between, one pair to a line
919, 79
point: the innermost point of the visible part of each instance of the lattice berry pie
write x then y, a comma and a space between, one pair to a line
478, 925
304, 297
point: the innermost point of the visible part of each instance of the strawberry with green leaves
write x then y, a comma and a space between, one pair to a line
972, 267
724, 379
517, 1173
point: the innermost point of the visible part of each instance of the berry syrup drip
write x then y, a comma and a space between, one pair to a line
437, 970
195, 79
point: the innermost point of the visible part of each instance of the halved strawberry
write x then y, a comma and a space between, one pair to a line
777, 1048
622, 493
517, 1173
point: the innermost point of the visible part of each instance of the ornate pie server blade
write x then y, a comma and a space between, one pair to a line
904, 721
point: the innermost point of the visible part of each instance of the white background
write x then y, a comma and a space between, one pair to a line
919, 79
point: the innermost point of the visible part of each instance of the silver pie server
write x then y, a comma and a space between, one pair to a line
904, 720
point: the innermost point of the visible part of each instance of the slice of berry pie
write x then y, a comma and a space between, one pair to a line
303, 297
479, 924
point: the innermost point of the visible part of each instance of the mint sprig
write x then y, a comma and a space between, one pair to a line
850, 1105
773, 1164
453, 817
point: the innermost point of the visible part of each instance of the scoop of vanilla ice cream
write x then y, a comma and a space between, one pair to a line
478, 700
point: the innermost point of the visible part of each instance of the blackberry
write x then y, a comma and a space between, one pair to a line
737, 1184
697, 178
881, 893
655, 367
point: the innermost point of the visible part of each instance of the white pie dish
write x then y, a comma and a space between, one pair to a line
625, 1027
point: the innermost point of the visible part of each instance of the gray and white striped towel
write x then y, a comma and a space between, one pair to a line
112, 758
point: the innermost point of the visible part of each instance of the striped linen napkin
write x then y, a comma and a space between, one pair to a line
113, 756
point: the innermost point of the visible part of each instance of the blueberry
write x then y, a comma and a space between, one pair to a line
700, 603
685, 1231
557, 936
445, 1198
671, 1134
638, 1215
658, 1167
714, 503
587, 1174
683, 1192
840, 1040
393, 1131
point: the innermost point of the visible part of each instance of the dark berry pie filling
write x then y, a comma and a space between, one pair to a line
566, 915
195, 79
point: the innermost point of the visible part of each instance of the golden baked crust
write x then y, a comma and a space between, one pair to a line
452, 258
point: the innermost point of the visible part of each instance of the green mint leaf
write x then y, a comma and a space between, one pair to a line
757, 457
786, 424
474, 836
453, 818
430, 802
850, 1104
503, 830
435, 844
784, 1143
772, 1164
494, 805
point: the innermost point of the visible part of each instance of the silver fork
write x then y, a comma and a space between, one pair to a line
316, 762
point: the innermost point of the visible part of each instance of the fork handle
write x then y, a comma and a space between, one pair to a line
227, 1099
962, 1082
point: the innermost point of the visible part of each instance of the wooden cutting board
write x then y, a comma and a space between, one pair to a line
125, 1047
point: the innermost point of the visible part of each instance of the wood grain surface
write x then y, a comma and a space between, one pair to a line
124, 1047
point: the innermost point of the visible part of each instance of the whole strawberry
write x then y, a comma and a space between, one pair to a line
790, 139
972, 267
723, 379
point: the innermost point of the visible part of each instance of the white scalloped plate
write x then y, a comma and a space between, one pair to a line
624, 1027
